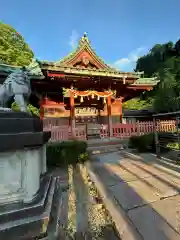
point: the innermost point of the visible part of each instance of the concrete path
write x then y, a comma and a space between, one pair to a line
142, 194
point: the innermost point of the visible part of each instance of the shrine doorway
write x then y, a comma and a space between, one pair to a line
88, 117
86, 120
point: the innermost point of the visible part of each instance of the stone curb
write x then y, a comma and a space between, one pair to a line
123, 224
136, 157
132, 155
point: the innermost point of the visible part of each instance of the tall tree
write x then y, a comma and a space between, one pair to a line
163, 61
159, 57
13, 49
167, 98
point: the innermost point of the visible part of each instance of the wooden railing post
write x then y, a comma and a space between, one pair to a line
138, 128
156, 138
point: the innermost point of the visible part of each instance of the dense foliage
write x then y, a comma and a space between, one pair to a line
143, 143
137, 104
31, 108
162, 61
68, 152
13, 49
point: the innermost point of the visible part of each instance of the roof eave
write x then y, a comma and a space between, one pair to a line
5, 74
86, 71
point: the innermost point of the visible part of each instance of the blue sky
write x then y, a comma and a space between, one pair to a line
119, 30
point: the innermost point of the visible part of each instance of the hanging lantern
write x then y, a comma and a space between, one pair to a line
93, 96
98, 98
81, 99
104, 100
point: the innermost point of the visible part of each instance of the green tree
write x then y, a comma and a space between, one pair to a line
160, 57
167, 98
163, 61
13, 49
177, 47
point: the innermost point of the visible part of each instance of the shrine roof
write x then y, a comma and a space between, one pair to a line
146, 81
35, 71
138, 113
85, 61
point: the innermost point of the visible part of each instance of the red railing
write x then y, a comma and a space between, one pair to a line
122, 131
61, 133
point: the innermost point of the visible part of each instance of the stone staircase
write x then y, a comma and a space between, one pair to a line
104, 146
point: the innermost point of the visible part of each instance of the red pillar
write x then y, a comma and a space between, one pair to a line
120, 110
72, 113
41, 112
109, 116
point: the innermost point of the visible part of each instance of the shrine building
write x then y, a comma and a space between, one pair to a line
81, 88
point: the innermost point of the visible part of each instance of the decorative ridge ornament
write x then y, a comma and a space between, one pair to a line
84, 38
34, 69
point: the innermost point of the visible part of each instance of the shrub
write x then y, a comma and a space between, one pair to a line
133, 142
67, 152
143, 143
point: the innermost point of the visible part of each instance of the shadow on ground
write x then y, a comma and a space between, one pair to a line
80, 216
147, 211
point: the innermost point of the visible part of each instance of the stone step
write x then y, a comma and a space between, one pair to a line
105, 149
31, 225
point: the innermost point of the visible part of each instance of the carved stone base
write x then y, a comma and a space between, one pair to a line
29, 221
20, 174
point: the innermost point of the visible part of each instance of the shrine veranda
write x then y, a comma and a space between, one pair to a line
82, 89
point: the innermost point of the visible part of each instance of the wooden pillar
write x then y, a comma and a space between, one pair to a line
120, 110
109, 117
41, 112
72, 113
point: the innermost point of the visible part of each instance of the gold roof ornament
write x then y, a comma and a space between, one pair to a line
84, 39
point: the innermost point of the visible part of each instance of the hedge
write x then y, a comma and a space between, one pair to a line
143, 143
67, 152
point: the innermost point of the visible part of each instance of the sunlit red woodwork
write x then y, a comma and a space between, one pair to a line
72, 113
49, 108
109, 116
87, 79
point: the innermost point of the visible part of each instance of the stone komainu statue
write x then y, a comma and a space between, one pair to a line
18, 85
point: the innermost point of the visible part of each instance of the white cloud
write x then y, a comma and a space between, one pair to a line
73, 40
128, 63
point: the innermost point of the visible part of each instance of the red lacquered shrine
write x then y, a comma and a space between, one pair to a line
81, 88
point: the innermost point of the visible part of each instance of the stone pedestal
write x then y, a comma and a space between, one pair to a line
22, 156
26, 192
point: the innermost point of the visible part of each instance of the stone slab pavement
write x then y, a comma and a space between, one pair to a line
142, 194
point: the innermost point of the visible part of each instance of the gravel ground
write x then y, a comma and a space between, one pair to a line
87, 217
